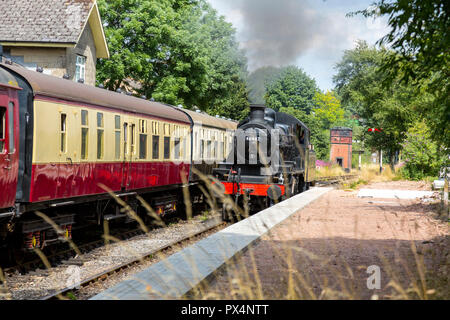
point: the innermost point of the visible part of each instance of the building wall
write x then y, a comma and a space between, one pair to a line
85, 47
53, 60
58, 61
341, 146
343, 151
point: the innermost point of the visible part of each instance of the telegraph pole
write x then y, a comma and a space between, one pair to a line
381, 161
381, 151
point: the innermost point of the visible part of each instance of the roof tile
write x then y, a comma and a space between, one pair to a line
56, 21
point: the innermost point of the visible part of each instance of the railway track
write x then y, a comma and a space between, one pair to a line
67, 255
70, 292
335, 179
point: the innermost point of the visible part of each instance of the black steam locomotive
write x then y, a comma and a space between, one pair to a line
271, 159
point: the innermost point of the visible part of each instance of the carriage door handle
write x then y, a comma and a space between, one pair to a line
70, 159
8, 160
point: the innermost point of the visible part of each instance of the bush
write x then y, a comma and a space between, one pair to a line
420, 153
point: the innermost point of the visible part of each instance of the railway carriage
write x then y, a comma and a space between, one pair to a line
65, 145
211, 142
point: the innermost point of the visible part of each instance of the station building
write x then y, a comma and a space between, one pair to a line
341, 147
63, 37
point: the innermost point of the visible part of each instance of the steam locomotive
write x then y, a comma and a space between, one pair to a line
271, 159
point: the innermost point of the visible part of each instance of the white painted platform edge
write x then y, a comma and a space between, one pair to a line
179, 273
393, 194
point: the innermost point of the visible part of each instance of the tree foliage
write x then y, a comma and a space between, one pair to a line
259, 80
175, 51
420, 35
421, 155
325, 114
359, 84
293, 88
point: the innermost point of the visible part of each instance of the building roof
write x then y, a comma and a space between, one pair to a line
55, 22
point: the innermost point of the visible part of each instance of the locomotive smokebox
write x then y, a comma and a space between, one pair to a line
257, 112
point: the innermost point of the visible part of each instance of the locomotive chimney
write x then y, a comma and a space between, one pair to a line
257, 112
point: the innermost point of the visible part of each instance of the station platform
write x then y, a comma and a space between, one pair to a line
175, 276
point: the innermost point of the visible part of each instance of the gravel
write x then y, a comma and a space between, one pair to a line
41, 283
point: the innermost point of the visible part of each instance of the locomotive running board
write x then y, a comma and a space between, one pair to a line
6, 214
60, 204
120, 195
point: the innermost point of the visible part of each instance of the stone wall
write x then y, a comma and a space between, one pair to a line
85, 47
58, 61
53, 60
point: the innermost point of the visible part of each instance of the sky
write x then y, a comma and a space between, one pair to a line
311, 34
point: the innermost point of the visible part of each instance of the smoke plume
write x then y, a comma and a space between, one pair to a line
277, 32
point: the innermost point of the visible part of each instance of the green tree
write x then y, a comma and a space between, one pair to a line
420, 34
421, 155
259, 80
293, 88
359, 84
326, 113
328, 110
175, 51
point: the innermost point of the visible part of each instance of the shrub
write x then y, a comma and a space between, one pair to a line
420, 153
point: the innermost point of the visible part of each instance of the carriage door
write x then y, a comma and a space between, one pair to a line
129, 149
9, 149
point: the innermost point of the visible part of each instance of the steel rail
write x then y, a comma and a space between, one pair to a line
215, 222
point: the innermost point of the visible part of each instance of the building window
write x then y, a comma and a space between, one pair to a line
117, 137
80, 72
63, 132
2, 129
84, 134
100, 136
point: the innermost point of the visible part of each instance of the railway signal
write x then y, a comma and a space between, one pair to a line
375, 130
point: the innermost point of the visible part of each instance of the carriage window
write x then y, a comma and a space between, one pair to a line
133, 143
208, 150
166, 147
177, 148
142, 139
117, 136
84, 134
12, 148
2, 128
224, 147
84, 117
63, 132
100, 136
202, 149
183, 150
216, 143
155, 147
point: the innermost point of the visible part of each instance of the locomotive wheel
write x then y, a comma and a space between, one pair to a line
293, 187
302, 186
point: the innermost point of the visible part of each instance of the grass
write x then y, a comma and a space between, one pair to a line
244, 282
